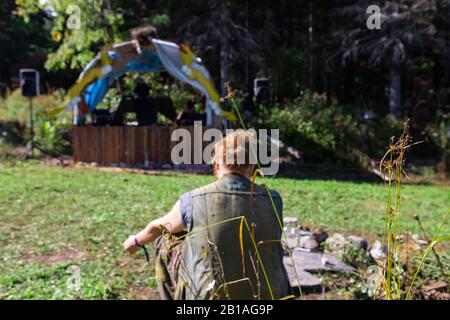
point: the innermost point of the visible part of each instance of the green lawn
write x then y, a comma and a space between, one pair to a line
50, 215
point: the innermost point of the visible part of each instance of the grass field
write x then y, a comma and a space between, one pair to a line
52, 218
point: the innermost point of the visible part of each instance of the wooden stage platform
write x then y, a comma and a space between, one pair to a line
125, 144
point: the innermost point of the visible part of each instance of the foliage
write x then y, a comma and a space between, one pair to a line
289, 71
408, 28
327, 133
160, 85
331, 54
99, 26
251, 39
320, 132
439, 132
392, 280
352, 254
51, 132
102, 23
21, 40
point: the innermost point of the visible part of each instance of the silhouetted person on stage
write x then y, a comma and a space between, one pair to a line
145, 108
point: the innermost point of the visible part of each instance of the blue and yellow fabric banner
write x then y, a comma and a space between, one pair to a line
113, 62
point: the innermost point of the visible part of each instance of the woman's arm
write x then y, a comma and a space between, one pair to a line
172, 221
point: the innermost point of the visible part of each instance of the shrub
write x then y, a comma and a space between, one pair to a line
439, 132
323, 133
328, 133
51, 131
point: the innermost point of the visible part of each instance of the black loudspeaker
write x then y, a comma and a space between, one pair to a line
261, 89
29, 82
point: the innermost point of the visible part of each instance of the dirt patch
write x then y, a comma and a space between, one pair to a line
10, 226
62, 161
156, 171
71, 255
143, 293
8, 229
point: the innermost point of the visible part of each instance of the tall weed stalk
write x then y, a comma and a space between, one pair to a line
392, 275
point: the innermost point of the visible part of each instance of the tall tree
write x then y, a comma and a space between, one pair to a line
22, 42
406, 29
212, 25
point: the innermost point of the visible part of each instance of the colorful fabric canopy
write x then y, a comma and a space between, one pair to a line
113, 62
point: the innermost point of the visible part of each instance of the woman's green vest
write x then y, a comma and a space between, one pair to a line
219, 260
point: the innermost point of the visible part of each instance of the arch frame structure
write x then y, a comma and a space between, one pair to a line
130, 57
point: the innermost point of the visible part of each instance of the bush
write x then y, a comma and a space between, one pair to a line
51, 131
330, 134
160, 85
322, 133
439, 134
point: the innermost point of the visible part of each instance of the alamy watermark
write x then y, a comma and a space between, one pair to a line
374, 19
262, 145
74, 19
74, 281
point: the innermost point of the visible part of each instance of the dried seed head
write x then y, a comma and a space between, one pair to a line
230, 92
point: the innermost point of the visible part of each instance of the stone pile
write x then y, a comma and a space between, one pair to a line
312, 251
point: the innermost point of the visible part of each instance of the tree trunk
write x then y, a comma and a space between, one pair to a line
224, 66
247, 53
224, 49
310, 48
395, 94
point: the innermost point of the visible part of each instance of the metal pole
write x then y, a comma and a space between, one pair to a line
30, 101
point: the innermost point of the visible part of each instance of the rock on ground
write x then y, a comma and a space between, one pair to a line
377, 252
337, 243
311, 261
